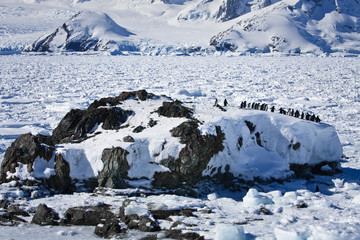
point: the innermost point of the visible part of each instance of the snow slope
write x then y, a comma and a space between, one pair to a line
325, 26
184, 27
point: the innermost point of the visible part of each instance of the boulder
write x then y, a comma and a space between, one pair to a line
88, 216
25, 149
13, 210
108, 229
174, 109
134, 221
115, 168
45, 216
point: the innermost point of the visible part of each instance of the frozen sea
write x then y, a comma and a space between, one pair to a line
36, 91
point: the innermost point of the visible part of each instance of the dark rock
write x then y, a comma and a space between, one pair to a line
152, 122
108, 229
25, 149
177, 234
264, 211
113, 101
165, 214
139, 129
128, 139
148, 225
61, 181
4, 203
149, 237
250, 125
133, 221
307, 171
45, 216
77, 123
174, 109
193, 158
88, 216
173, 233
15, 210
115, 168
191, 236
301, 204
296, 146
258, 139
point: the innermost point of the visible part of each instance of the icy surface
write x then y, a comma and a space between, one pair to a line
37, 91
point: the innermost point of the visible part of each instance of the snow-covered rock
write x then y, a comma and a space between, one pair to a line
221, 10
172, 144
300, 26
85, 31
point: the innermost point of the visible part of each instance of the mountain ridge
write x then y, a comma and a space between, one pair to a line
178, 27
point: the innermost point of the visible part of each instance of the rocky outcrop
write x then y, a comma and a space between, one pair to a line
87, 216
45, 216
138, 137
78, 123
174, 109
193, 158
24, 150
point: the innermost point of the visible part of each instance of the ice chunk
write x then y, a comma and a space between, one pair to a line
339, 183
212, 196
281, 234
229, 231
253, 198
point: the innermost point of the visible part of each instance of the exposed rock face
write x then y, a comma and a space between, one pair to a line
77, 123
174, 109
193, 158
61, 181
45, 216
25, 150
115, 168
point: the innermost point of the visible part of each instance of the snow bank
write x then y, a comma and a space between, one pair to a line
229, 231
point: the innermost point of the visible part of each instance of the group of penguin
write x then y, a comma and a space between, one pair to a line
264, 107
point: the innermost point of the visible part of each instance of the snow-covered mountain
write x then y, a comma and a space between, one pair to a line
83, 32
221, 10
181, 26
296, 26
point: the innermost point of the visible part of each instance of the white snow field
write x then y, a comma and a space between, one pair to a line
36, 91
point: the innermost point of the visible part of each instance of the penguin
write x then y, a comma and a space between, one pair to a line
253, 105
225, 102
307, 117
312, 118
297, 114
302, 115
317, 119
216, 102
